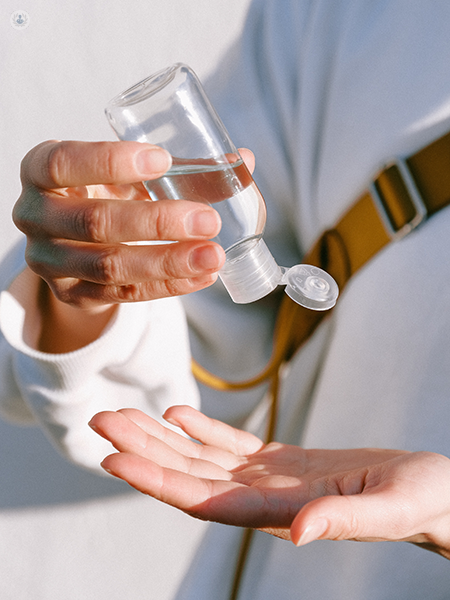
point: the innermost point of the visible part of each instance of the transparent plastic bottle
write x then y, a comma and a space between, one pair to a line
170, 109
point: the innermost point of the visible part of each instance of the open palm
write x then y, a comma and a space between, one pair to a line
233, 478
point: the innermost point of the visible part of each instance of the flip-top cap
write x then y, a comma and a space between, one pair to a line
311, 287
251, 272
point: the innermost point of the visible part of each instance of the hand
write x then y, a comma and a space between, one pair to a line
405, 499
73, 212
233, 478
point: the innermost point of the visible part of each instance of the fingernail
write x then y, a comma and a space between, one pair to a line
203, 223
152, 162
313, 532
205, 258
172, 421
105, 468
98, 431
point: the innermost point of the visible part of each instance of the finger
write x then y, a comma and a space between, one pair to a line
56, 164
222, 501
177, 489
126, 436
213, 432
121, 264
102, 221
371, 517
151, 427
88, 295
223, 458
249, 158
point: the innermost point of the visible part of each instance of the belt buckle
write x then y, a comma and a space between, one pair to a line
413, 195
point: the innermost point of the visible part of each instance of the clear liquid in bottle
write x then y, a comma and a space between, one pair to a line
228, 187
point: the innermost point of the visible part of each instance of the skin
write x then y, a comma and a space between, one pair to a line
232, 477
80, 203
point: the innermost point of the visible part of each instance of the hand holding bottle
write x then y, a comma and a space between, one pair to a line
81, 202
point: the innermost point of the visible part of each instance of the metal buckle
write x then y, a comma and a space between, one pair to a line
413, 195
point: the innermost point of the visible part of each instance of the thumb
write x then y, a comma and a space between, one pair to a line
58, 164
362, 516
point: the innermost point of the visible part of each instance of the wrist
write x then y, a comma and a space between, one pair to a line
66, 328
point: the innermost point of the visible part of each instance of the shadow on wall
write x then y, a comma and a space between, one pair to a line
32, 473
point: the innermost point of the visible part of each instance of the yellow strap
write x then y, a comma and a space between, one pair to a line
282, 340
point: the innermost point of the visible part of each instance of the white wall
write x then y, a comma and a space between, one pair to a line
57, 74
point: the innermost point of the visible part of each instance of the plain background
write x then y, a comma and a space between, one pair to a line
58, 73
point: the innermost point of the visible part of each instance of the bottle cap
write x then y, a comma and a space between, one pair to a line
311, 287
250, 273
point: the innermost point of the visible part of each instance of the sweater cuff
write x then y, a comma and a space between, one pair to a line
21, 324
